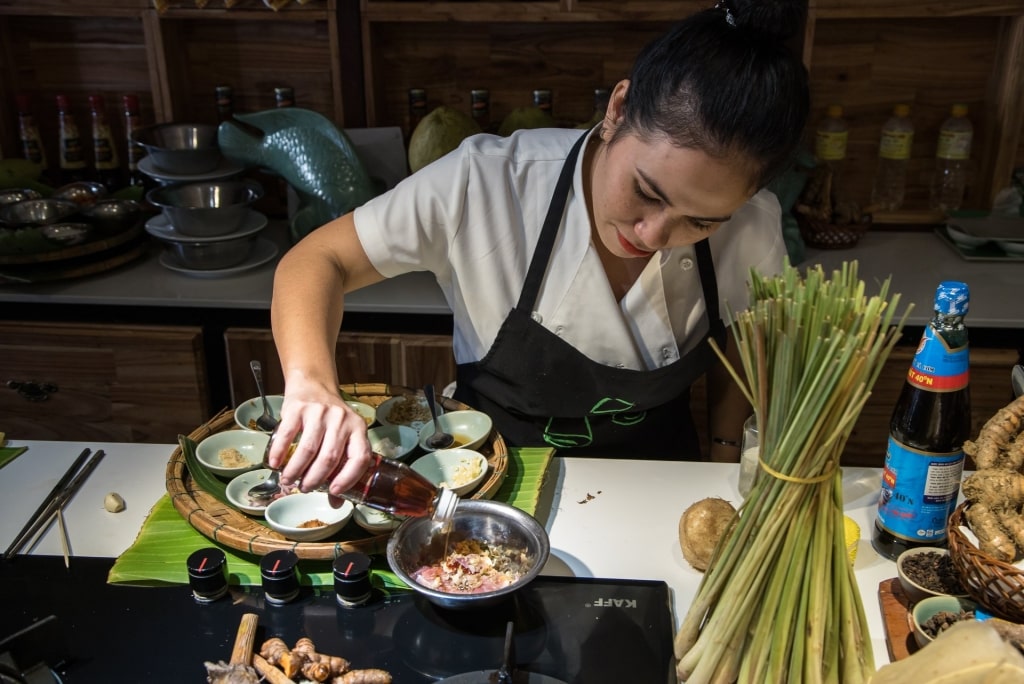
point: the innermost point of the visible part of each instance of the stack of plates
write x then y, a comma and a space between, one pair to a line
1004, 232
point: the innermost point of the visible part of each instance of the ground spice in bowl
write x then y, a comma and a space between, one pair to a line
935, 572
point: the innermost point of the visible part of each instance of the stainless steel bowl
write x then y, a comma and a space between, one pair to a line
82, 193
37, 212
211, 254
206, 209
416, 543
181, 148
12, 195
112, 216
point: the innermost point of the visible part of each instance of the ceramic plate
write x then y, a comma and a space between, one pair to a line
159, 227
225, 169
263, 251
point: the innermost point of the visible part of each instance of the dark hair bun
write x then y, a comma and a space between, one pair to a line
772, 19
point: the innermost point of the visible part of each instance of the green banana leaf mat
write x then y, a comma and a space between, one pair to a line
158, 554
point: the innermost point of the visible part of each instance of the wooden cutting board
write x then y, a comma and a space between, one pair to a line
899, 629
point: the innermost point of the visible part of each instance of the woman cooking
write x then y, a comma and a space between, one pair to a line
586, 271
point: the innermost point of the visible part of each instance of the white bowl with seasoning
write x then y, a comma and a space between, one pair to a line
409, 410
469, 428
232, 452
249, 410
393, 441
460, 470
307, 517
237, 491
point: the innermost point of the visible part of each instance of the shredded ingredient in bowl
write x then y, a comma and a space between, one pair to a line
388, 449
409, 410
465, 472
473, 567
231, 457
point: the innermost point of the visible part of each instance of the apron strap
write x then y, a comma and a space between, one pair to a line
549, 231
709, 285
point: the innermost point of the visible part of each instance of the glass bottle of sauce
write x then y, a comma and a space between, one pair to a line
28, 130
395, 488
931, 420
72, 158
132, 123
105, 159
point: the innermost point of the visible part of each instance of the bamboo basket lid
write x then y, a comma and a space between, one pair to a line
225, 525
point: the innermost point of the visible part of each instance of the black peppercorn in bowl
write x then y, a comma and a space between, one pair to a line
928, 571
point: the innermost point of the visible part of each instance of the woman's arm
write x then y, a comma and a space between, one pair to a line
306, 313
727, 407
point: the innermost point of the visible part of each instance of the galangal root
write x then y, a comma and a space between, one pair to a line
996, 489
304, 660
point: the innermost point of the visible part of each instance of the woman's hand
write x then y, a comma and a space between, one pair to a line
332, 445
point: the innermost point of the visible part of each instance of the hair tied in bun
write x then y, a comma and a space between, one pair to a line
724, 6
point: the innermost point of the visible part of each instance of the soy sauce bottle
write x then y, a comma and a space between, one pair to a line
395, 488
931, 421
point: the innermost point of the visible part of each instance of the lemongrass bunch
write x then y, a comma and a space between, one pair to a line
780, 602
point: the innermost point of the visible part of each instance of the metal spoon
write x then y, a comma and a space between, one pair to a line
266, 421
440, 439
265, 491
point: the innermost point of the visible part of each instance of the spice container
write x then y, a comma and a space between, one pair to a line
207, 574
352, 579
280, 578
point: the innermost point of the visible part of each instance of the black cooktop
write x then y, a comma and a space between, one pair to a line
577, 630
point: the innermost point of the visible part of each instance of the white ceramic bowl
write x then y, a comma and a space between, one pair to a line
460, 470
964, 239
917, 592
374, 521
368, 413
237, 491
411, 411
393, 441
250, 445
1011, 247
249, 410
470, 429
294, 516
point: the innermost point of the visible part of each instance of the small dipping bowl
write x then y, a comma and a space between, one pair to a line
929, 607
38, 212
112, 216
181, 148
915, 591
82, 193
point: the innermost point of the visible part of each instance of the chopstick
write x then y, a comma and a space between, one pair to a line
58, 496
63, 536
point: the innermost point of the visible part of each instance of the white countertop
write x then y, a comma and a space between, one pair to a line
605, 518
917, 261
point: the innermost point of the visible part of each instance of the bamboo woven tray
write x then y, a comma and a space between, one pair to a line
226, 525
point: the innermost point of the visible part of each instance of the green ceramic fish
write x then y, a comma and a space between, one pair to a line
308, 151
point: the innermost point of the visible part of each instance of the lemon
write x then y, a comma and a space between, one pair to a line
851, 533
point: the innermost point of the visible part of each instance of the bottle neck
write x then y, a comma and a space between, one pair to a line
444, 506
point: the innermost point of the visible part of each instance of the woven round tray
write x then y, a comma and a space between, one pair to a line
225, 525
993, 583
824, 235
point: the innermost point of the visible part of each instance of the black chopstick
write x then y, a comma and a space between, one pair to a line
59, 495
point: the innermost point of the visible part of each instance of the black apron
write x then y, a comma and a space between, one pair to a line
542, 391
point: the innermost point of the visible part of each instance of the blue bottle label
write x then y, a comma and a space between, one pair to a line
937, 367
919, 492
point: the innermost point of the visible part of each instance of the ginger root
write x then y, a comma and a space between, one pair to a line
996, 446
364, 677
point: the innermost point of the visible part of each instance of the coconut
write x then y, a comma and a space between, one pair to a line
437, 134
701, 527
525, 117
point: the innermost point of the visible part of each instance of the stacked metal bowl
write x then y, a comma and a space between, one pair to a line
207, 225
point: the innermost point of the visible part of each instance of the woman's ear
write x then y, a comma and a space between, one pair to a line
615, 112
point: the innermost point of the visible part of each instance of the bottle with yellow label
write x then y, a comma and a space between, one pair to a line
830, 145
893, 158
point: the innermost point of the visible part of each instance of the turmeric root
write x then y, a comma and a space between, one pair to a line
277, 653
303, 659
364, 677
997, 489
992, 539
990, 449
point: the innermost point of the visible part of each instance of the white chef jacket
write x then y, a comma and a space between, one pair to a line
473, 217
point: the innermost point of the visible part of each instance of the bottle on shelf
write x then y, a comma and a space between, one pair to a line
393, 487
224, 100
417, 109
480, 107
31, 142
543, 100
930, 422
72, 158
830, 140
135, 152
106, 163
893, 158
951, 161
284, 96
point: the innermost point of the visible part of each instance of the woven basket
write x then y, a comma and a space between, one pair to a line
226, 525
824, 235
993, 583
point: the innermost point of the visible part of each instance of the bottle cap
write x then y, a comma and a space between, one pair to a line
447, 500
959, 110
280, 581
952, 297
207, 574
62, 102
835, 111
901, 110
96, 103
352, 578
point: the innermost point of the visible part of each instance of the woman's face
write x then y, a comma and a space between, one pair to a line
651, 195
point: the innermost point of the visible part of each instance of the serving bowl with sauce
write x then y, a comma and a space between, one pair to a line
469, 428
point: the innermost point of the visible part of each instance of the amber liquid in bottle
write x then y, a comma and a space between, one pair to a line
396, 488
932, 426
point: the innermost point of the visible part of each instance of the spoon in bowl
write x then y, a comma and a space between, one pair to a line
264, 492
440, 439
265, 421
